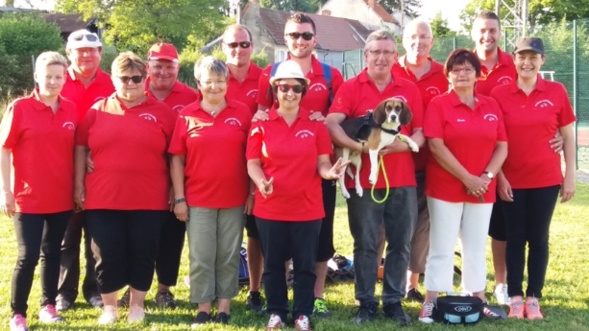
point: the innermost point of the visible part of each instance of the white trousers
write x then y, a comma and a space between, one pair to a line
448, 222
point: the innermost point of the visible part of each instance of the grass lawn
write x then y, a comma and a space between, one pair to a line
565, 304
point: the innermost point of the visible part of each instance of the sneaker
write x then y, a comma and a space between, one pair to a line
302, 323
62, 304
222, 318
501, 295
255, 302
165, 299
395, 312
108, 316
414, 295
136, 314
532, 309
125, 299
200, 319
516, 308
366, 312
426, 314
48, 314
18, 323
320, 308
274, 323
493, 312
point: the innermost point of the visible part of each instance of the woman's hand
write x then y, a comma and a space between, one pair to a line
181, 211
338, 169
7, 203
557, 143
476, 186
266, 187
316, 116
504, 189
261, 116
80, 196
249, 204
567, 189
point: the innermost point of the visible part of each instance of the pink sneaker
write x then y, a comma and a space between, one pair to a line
48, 314
18, 323
532, 309
516, 308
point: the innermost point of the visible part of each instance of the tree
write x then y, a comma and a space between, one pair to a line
136, 24
410, 7
440, 27
290, 5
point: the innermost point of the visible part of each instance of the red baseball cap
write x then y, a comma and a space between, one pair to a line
163, 51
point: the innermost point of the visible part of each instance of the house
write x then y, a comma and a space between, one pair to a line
369, 12
340, 41
69, 23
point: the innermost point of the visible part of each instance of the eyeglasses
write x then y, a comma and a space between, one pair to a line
296, 35
89, 37
467, 70
284, 88
243, 44
135, 79
378, 53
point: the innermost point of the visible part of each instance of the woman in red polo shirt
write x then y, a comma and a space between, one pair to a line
211, 188
530, 180
126, 196
287, 157
37, 135
467, 140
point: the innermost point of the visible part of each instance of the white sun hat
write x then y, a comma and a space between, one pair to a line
288, 69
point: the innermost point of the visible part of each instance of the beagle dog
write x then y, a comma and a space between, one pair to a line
376, 130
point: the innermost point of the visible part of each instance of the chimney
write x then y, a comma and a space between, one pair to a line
326, 12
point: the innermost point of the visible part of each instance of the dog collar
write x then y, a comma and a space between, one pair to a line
390, 131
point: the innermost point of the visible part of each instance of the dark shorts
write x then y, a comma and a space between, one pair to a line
497, 226
251, 228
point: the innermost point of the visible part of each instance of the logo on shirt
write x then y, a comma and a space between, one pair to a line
460, 120
252, 93
98, 99
504, 80
490, 117
400, 97
232, 121
544, 104
194, 125
178, 108
432, 90
317, 87
148, 117
304, 134
69, 126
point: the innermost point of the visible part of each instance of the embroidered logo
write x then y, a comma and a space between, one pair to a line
69, 126
178, 108
232, 121
148, 117
490, 117
317, 87
194, 125
460, 120
304, 134
504, 80
544, 104
432, 90
252, 93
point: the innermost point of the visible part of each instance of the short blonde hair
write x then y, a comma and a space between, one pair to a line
211, 65
128, 61
46, 59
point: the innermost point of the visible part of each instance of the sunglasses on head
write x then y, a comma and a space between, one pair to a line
135, 79
89, 37
284, 88
243, 44
296, 35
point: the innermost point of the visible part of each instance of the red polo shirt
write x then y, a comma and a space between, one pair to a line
128, 147
431, 84
289, 155
471, 135
358, 96
245, 92
317, 96
42, 145
502, 73
179, 97
530, 122
215, 167
84, 97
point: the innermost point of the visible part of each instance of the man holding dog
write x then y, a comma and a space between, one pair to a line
393, 200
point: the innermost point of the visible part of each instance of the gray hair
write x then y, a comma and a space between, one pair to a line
211, 65
378, 35
415, 23
46, 59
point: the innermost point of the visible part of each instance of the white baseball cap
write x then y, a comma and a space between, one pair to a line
83, 38
288, 69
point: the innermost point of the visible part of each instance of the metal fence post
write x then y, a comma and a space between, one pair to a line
575, 91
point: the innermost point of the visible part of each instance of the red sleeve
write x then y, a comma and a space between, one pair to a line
323, 140
501, 132
433, 124
567, 114
342, 102
85, 126
9, 129
254, 142
177, 144
265, 96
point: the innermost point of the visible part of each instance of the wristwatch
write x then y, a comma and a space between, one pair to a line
489, 174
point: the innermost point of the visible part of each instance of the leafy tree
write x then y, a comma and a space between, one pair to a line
290, 5
440, 27
136, 24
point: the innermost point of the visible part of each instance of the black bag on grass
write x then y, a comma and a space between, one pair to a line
453, 309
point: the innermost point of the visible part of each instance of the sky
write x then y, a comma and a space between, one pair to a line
450, 10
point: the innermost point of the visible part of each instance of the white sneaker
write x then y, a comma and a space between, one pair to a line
48, 314
136, 314
501, 295
109, 315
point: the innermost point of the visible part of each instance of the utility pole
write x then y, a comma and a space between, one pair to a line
514, 19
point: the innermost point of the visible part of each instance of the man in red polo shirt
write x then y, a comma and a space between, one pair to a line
418, 66
398, 210
85, 85
300, 36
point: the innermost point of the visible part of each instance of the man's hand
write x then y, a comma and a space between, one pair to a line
557, 143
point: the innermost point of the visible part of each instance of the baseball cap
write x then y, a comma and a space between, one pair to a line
83, 38
288, 69
163, 51
533, 44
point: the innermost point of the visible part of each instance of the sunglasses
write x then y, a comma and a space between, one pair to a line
243, 44
284, 88
89, 37
135, 79
296, 35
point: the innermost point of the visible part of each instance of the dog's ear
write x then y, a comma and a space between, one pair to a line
405, 115
379, 114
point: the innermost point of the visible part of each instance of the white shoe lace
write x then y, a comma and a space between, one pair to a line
427, 311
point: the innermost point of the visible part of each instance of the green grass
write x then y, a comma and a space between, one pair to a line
565, 305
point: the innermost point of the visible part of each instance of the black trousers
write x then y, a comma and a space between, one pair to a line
280, 241
167, 264
37, 235
528, 223
125, 245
